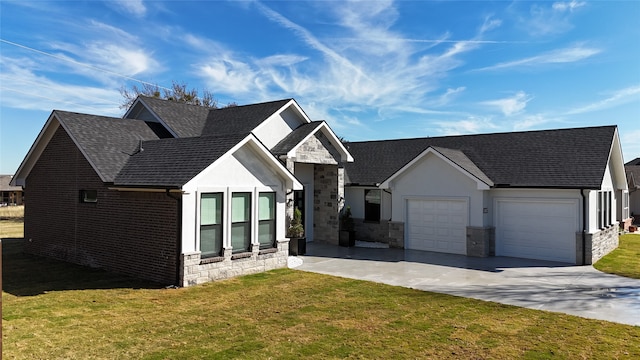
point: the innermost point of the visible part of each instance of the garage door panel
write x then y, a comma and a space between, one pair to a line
543, 229
437, 225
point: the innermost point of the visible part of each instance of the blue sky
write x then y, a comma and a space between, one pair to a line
372, 69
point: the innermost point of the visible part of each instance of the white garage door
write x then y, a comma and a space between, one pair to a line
437, 225
544, 230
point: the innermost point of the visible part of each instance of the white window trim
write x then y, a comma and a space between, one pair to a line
225, 200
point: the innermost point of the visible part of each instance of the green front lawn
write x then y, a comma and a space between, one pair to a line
625, 260
54, 310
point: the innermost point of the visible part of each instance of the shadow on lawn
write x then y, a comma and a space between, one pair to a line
28, 275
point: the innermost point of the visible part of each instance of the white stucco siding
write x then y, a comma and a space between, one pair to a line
432, 177
278, 126
241, 172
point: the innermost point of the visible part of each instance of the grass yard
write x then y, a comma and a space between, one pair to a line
12, 212
625, 260
11, 222
54, 310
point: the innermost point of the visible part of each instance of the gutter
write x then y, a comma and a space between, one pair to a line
178, 234
584, 227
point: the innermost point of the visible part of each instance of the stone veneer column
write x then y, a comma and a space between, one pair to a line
325, 205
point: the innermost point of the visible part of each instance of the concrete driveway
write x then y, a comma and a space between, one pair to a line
535, 284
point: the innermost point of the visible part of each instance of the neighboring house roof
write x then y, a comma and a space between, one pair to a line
173, 162
634, 162
564, 158
106, 142
632, 170
5, 181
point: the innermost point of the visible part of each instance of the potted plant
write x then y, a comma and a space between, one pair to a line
347, 228
295, 233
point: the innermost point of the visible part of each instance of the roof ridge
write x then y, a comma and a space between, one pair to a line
483, 134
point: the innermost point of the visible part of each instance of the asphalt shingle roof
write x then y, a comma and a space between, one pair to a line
240, 119
184, 119
295, 137
632, 169
173, 162
107, 142
564, 158
193, 120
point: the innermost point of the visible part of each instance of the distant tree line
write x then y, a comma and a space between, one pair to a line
178, 93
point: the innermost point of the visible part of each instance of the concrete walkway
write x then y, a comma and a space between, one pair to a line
540, 285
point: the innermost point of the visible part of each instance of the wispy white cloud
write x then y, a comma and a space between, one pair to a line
630, 143
544, 19
372, 67
529, 122
619, 97
470, 125
567, 5
18, 84
510, 105
561, 56
133, 7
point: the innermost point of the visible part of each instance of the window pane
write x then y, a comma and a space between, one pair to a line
266, 206
241, 222
211, 209
266, 233
211, 240
240, 207
240, 237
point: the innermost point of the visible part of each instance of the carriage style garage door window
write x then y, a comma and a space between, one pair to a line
437, 225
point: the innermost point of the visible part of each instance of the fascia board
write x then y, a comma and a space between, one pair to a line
430, 150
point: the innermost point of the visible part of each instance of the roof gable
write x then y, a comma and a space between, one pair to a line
456, 158
289, 145
564, 158
105, 142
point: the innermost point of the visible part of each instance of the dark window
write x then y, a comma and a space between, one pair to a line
241, 222
89, 196
372, 205
211, 224
267, 219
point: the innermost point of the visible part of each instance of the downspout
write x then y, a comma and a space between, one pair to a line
178, 264
584, 227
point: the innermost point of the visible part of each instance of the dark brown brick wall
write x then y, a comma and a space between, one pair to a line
132, 233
